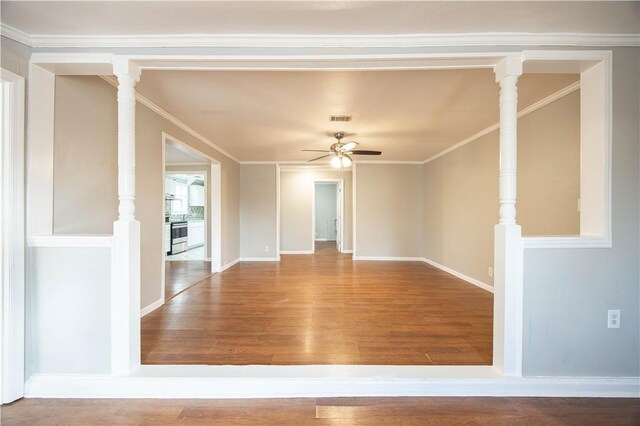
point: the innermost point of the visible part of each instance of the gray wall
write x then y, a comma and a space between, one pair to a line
389, 210
567, 292
68, 311
296, 207
258, 210
461, 189
85, 173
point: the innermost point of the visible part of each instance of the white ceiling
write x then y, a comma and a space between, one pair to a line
318, 17
273, 115
176, 154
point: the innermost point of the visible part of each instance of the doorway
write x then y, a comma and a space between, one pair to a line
191, 213
328, 214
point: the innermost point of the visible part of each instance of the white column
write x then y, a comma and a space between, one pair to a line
125, 254
508, 248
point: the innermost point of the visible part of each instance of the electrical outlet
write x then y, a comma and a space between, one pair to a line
490, 271
266, 249
613, 318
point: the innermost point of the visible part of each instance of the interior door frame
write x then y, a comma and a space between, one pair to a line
212, 211
12, 235
340, 210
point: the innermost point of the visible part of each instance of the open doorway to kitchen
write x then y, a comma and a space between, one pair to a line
186, 234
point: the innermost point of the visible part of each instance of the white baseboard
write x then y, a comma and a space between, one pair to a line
229, 265
460, 275
151, 307
323, 239
389, 258
259, 259
286, 386
347, 251
296, 251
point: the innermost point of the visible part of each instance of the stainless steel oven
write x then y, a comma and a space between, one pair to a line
179, 235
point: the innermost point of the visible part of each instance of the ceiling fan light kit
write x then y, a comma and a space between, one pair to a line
340, 153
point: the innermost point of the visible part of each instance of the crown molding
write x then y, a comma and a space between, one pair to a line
16, 35
321, 41
523, 112
166, 115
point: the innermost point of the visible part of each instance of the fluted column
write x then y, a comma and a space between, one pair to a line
508, 247
125, 253
508, 147
128, 75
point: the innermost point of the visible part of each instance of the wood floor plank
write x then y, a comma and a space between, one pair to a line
323, 309
182, 274
324, 411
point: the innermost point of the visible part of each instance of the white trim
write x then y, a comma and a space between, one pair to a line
284, 382
354, 241
12, 233
16, 35
278, 211
259, 259
565, 242
151, 307
321, 41
166, 115
389, 258
296, 251
323, 239
229, 265
460, 275
347, 251
525, 111
70, 241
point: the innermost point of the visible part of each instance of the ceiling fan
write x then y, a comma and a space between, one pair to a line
341, 153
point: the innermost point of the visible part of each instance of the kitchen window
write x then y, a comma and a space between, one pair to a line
180, 203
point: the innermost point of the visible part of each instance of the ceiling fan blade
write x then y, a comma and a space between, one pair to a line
349, 146
319, 158
365, 152
316, 150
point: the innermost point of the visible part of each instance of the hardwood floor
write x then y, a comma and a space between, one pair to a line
182, 274
324, 411
323, 309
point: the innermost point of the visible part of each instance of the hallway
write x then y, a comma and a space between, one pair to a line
323, 309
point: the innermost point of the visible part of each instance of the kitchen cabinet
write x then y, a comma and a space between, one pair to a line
195, 236
196, 195
169, 186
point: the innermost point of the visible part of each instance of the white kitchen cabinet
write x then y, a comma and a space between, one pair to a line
169, 186
196, 195
195, 236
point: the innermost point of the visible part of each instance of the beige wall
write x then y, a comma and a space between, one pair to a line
85, 173
549, 169
258, 211
389, 210
461, 189
296, 208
